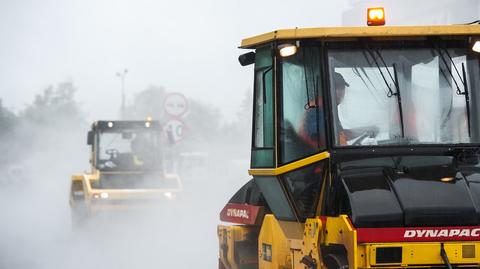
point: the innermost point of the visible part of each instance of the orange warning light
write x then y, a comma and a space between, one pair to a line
375, 16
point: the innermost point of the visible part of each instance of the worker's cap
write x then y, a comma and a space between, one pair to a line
339, 80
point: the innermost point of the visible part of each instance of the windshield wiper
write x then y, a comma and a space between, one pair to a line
442, 57
463, 80
399, 100
390, 92
308, 105
356, 71
394, 78
467, 98
315, 80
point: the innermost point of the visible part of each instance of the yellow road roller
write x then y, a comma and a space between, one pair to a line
365, 150
127, 170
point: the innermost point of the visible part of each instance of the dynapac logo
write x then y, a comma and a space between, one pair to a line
238, 213
426, 233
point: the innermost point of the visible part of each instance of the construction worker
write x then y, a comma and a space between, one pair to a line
141, 150
347, 134
309, 132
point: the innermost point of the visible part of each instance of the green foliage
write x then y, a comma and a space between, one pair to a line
52, 123
7, 120
202, 121
244, 116
54, 106
237, 133
147, 103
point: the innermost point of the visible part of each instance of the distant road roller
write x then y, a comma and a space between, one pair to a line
365, 150
126, 170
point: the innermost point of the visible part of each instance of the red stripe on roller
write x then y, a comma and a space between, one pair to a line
240, 213
422, 234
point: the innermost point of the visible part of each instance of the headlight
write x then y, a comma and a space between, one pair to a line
287, 50
103, 195
476, 46
168, 195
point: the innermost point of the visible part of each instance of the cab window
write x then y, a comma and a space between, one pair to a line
263, 125
302, 124
305, 186
276, 197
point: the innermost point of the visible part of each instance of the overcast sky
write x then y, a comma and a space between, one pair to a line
186, 46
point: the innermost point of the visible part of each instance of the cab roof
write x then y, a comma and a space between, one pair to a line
125, 124
372, 31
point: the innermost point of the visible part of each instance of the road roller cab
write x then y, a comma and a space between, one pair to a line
364, 150
127, 170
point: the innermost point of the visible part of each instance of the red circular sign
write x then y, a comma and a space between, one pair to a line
175, 104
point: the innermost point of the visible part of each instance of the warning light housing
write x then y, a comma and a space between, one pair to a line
375, 16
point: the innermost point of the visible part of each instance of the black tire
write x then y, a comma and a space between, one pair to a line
336, 261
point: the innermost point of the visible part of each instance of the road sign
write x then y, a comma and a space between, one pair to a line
175, 130
175, 104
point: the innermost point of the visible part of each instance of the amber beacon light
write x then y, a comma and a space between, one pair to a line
375, 16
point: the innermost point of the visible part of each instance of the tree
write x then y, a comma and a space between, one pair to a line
239, 130
49, 130
53, 117
147, 103
244, 116
7, 120
202, 122
55, 106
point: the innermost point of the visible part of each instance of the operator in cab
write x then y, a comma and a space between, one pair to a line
342, 134
308, 132
142, 151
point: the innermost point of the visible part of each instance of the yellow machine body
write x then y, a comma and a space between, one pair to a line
88, 198
282, 244
100, 200
318, 240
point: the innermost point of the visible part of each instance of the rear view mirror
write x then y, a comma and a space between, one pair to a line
247, 58
90, 138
